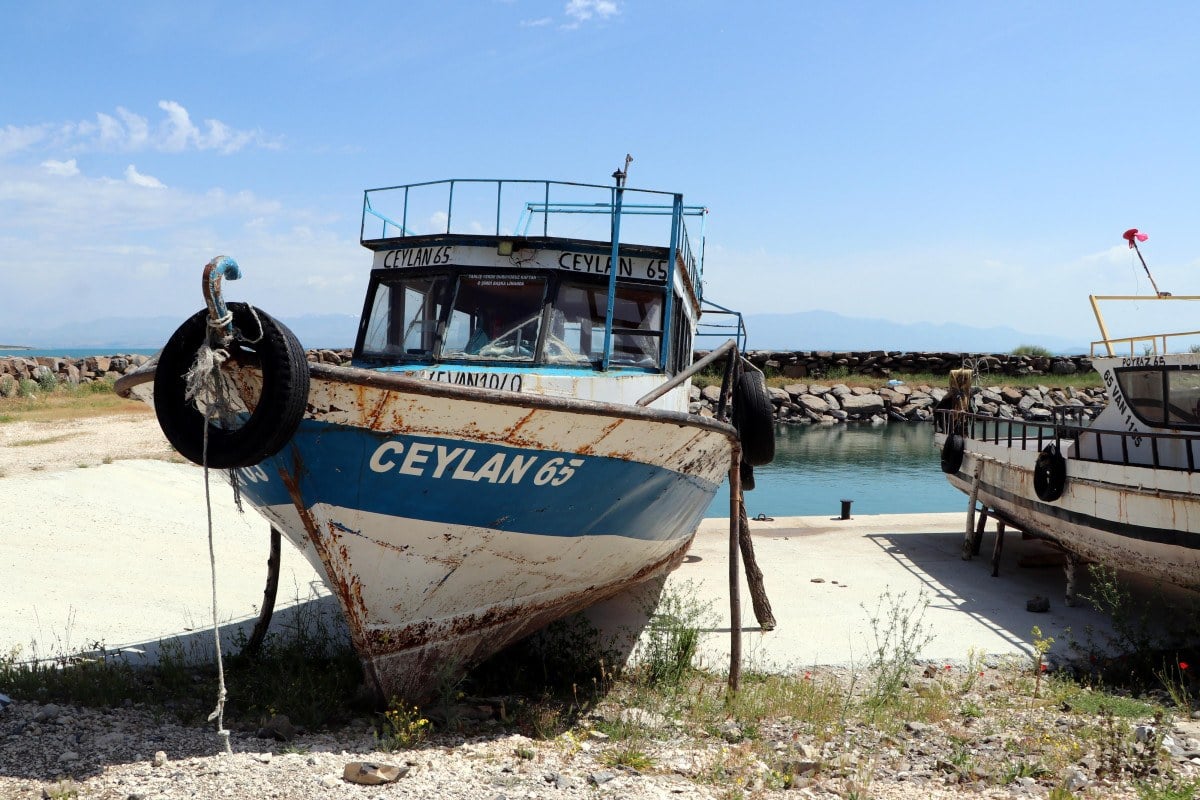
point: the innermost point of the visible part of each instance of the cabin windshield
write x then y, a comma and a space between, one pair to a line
495, 317
1162, 397
509, 317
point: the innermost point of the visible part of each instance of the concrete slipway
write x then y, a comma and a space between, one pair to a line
118, 555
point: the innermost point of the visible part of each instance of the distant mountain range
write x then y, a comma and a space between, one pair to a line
825, 330
314, 331
803, 330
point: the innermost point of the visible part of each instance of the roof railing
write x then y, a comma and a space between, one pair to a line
396, 212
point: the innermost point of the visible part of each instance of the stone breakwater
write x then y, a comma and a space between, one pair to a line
799, 403
831, 404
48, 371
883, 363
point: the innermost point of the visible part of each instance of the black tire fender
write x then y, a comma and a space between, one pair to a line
952, 453
754, 418
1050, 474
280, 407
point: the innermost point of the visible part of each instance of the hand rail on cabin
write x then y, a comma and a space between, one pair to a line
1107, 341
693, 263
987, 428
723, 350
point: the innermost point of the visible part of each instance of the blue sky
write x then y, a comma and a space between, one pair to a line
972, 162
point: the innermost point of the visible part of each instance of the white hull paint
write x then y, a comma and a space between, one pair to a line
1131, 496
419, 593
1126, 501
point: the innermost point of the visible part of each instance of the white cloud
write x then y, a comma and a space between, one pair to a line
138, 179
581, 11
14, 139
62, 168
540, 22
126, 131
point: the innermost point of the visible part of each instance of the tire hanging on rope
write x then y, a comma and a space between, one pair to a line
1050, 474
754, 418
952, 453
258, 338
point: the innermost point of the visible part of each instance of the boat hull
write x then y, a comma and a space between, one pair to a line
450, 521
1134, 517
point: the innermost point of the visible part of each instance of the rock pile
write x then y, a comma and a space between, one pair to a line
795, 404
883, 363
816, 403
52, 370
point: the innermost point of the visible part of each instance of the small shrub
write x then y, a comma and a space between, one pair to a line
671, 639
403, 727
47, 382
900, 635
1031, 350
26, 387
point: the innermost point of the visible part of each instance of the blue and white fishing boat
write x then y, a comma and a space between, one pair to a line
512, 441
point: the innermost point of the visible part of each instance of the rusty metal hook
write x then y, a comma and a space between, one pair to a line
220, 318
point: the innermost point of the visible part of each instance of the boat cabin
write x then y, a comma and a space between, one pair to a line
528, 299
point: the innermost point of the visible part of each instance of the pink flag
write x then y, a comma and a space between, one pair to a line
1132, 234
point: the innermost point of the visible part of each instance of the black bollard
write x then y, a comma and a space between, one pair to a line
846, 509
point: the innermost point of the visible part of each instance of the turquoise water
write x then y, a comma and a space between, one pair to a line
887, 469
80, 352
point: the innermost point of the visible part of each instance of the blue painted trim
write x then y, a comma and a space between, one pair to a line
614, 269
668, 321
483, 485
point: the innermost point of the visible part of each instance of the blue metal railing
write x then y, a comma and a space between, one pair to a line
393, 209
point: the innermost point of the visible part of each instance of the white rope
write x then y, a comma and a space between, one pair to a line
205, 374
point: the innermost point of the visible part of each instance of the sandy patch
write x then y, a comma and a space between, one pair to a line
87, 442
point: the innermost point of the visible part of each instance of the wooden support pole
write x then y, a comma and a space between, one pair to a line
977, 541
754, 576
999, 548
968, 546
735, 599
254, 643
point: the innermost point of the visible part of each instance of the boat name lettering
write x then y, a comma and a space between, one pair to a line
505, 382
423, 459
593, 264
1143, 361
418, 257
1114, 389
254, 474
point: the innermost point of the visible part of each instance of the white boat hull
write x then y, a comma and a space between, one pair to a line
451, 520
1139, 518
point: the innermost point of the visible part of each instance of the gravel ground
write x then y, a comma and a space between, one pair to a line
136, 752
74, 443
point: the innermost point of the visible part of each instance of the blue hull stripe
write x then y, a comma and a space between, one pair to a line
482, 485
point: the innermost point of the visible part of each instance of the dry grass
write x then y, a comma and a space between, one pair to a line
48, 440
68, 403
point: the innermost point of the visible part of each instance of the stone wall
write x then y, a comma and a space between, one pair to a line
883, 363
799, 403
834, 403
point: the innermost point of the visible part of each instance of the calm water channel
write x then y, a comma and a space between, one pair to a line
887, 469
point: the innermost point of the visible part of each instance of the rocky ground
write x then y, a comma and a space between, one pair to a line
1025, 750
954, 736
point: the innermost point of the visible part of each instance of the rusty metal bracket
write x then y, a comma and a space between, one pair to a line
689, 372
220, 318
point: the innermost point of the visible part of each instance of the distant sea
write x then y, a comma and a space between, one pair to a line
78, 352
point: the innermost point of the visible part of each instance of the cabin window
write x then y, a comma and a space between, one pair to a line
405, 317
1183, 389
496, 317
577, 325
1162, 397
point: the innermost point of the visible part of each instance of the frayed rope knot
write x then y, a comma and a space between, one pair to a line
200, 377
